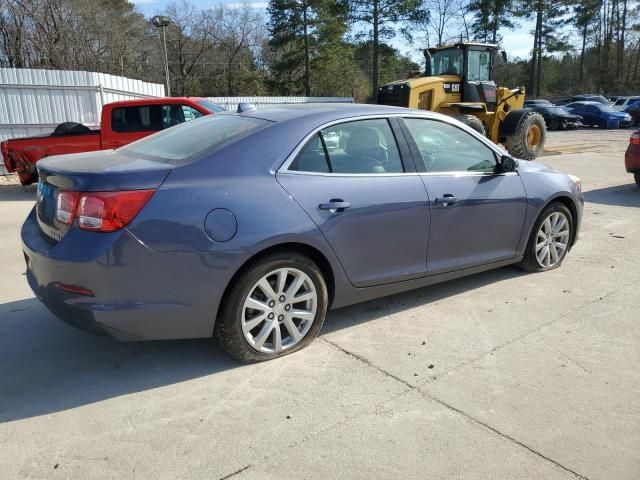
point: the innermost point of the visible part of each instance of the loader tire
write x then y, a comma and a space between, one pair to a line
527, 142
473, 122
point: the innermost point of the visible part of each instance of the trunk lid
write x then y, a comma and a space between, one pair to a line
90, 172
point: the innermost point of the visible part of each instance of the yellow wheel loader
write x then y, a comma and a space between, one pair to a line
459, 82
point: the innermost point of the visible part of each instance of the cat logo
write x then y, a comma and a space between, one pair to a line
451, 87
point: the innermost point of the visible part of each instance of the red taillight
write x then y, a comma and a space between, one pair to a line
635, 138
110, 211
76, 289
66, 206
101, 211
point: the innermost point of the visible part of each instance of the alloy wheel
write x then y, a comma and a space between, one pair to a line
279, 310
552, 240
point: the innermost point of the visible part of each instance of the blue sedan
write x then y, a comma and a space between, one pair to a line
597, 114
248, 227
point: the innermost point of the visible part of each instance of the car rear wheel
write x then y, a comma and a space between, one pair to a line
636, 177
549, 240
276, 306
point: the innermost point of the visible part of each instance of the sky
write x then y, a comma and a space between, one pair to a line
517, 43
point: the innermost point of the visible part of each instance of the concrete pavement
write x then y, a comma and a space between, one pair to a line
499, 375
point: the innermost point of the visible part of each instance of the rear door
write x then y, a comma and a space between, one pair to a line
477, 214
369, 203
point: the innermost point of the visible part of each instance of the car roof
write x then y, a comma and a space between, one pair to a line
327, 111
154, 100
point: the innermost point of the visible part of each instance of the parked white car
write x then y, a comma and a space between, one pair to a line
623, 102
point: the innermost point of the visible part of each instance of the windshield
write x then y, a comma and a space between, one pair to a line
605, 108
447, 62
559, 110
212, 107
176, 144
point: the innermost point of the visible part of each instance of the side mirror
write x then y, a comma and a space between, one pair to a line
508, 164
504, 56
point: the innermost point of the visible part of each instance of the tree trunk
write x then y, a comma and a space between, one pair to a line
376, 39
584, 46
307, 68
539, 70
534, 74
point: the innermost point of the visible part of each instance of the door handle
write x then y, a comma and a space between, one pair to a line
335, 205
447, 200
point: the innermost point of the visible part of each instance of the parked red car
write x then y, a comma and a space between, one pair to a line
122, 123
632, 156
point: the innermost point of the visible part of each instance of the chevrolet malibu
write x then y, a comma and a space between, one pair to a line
247, 227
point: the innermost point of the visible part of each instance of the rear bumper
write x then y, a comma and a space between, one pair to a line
138, 294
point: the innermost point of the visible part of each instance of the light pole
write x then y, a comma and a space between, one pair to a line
162, 22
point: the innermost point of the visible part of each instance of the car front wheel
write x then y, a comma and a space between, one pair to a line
549, 240
276, 306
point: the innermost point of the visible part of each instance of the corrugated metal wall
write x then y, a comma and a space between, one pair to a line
34, 101
231, 103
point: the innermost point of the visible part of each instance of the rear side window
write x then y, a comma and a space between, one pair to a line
142, 118
175, 145
361, 147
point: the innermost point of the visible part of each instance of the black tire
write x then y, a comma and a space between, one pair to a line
636, 177
473, 122
71, 128
555, 125
602, 124
518, 144
529, 262
228, 329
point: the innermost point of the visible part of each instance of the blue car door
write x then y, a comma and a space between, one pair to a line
371, 207
477, 213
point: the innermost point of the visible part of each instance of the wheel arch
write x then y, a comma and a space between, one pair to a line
566, 200
313, 253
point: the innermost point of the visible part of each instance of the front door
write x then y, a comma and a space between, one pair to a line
352, 182
477, 214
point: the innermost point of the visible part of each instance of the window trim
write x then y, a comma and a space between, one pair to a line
403, 143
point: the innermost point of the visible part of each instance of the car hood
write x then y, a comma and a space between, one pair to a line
529, 166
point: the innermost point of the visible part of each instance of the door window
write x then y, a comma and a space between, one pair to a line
142, 118
360, 147
479, 66
446, 148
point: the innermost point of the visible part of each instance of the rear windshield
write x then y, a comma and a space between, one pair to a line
175, 145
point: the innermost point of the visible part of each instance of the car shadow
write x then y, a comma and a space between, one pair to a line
353, 315
47, 366
620, 195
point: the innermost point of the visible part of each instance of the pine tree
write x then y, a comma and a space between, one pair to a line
383, 18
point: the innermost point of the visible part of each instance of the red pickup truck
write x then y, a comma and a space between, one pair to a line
122, 123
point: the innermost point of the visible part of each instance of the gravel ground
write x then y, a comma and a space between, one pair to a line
499, 375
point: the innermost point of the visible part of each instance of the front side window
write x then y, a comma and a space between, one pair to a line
479, 66
446, 148
360, 147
